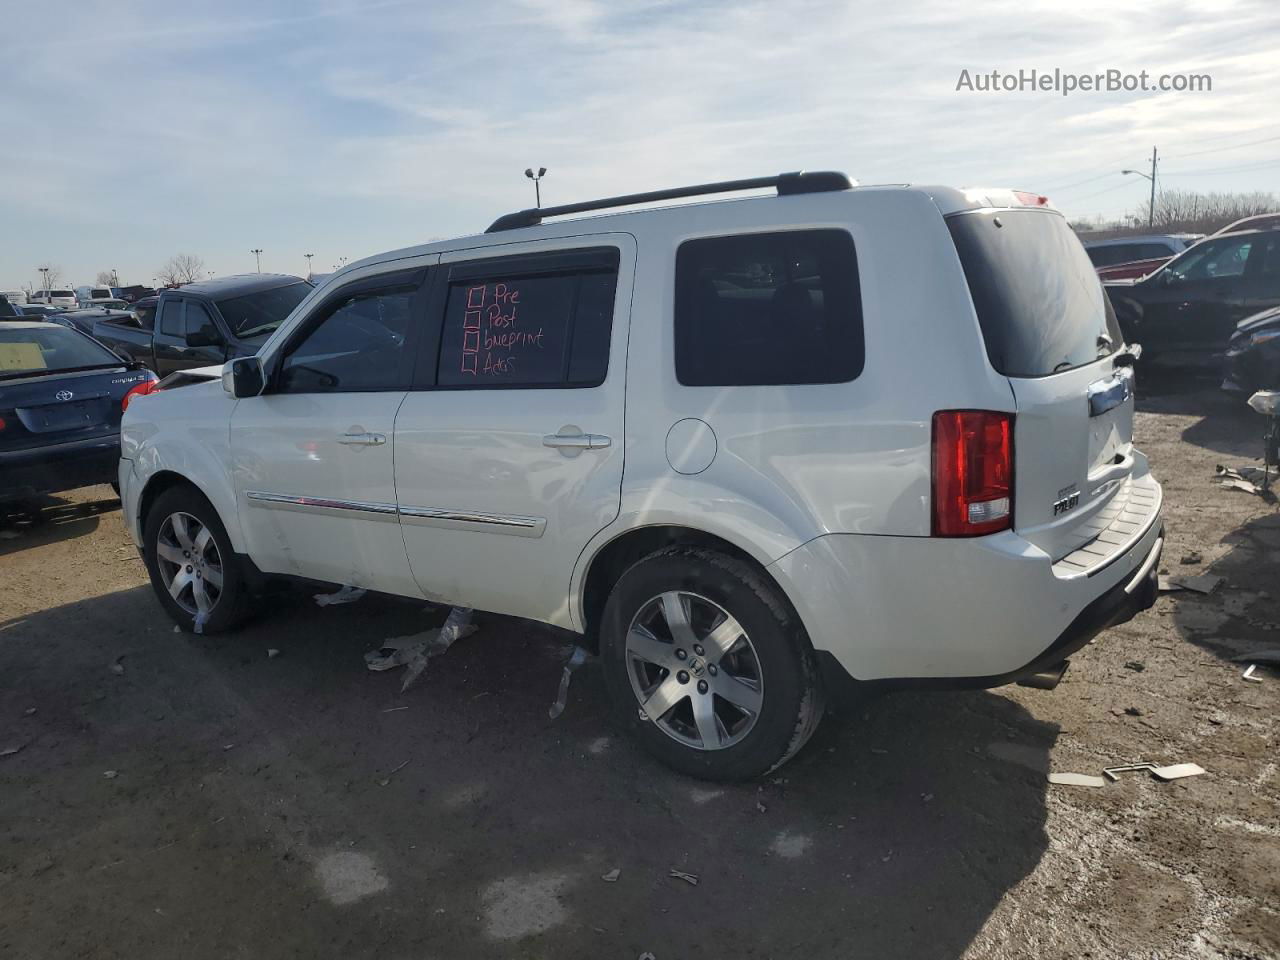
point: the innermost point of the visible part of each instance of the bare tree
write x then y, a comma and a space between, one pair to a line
1188, 211
51, 275
182, 268
105, 278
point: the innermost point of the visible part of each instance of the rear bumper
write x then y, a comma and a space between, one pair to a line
958, 613
58, 467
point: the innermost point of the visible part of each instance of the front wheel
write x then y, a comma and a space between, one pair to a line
708, 665
194, 571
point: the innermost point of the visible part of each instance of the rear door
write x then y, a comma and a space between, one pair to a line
509, 449
1049, 328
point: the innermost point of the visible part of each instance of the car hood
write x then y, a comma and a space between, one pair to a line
1255, 323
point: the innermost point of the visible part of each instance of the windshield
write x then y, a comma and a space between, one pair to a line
258, 314
25, 350
1040, 304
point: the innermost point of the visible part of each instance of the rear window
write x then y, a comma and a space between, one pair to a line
258, 314
61, 293
1040, 304
27, 350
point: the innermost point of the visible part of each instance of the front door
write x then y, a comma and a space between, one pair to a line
1196, 301
313, 454
509, 453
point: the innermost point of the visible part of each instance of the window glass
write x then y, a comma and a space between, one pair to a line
146, 314
1039, 302
1148, 251
255, 315
551, 329
357, 347
24, 350
1268, 273
200, 322
171, 318
1215, 258
769, 308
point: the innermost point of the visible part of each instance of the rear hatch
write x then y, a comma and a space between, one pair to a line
1082, 493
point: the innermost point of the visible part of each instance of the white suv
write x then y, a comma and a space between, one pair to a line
725, 440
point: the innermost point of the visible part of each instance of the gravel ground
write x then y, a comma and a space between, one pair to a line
177, 795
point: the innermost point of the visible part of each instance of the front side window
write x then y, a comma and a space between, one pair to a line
525, 323
171, 318
358, 346
200, 323
768, 308
1214, 259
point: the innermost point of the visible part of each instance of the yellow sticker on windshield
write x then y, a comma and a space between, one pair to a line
21, 356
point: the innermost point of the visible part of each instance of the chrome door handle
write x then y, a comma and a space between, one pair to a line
576, 441
363, 439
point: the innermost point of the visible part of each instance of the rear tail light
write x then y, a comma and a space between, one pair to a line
138, 390
972, 472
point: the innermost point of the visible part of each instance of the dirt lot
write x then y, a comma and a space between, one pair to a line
201, 799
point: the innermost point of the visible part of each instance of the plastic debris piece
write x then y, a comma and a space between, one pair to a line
1200, 583
1137, 666
118, 666
1177, 771
10, 750
1248, 674
416, 649
29, 712
197, 625
1077, 780
761, 807
688, 878
387, 780
176, 628
1111, 773
394, 709
344, 594
110, 774
647, 956
272, 653
1167, 585
1259, 656
612, 876
1193, 557
576, 659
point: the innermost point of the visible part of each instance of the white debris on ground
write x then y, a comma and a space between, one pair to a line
416, 650
345, 594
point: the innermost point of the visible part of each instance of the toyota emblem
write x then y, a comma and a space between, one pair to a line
64, 394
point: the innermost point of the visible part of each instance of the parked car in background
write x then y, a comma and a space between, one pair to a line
1122, 257
56, 298
85, 319
15, 297
693, 434
133, 293
39, 310
1186, 312
1259, 221
61, 397
7, 310
1253, 355
92, 296
207, 322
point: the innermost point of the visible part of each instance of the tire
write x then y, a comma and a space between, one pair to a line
738, 707
223, 608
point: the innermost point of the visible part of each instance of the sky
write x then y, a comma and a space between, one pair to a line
139, 130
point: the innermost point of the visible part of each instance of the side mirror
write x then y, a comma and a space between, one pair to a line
204, 338
242, 377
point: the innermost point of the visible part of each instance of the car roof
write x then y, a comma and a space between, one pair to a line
234, 286
949, 200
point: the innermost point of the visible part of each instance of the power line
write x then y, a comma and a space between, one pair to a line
1234, 146
1262, 165
1099, 193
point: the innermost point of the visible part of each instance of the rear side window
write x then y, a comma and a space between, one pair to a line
530, 321
1040, 304
768, 308
171, 318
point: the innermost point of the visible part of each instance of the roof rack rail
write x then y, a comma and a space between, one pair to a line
823, 181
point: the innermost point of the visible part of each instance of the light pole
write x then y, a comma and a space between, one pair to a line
1151, 208
308, 256
115, 277
44, 277
342, 262
257, 256
537, 190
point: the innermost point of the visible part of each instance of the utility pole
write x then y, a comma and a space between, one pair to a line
257, 256
1151, 207
44, 274
308, 256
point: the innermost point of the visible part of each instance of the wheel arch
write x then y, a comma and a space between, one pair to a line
163, 480
609, 562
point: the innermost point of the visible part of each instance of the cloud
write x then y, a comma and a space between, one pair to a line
350, 128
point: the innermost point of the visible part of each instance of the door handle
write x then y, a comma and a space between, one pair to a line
363, 439
576, 441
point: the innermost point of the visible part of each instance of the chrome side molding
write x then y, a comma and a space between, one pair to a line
425, 516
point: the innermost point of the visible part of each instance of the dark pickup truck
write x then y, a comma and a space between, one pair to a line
205, 323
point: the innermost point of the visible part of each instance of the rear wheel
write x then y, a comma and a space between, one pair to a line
194, 571
708, 666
